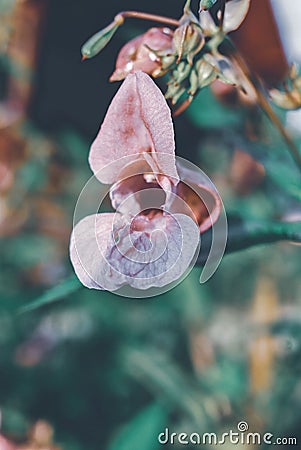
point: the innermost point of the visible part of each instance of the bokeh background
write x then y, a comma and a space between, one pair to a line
106, 372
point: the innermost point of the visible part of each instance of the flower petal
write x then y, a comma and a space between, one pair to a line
201, 197
235, 13
207, 23
173, 244
90, 233
137, 125
138, 53
108, 252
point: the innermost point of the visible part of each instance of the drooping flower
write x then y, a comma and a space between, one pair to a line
144, 52
161, 207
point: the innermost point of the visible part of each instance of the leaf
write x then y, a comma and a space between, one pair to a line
54, 294
142, 431
285, 176
160, 375
206, 111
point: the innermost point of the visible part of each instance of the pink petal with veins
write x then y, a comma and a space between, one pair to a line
84, 252
137, 126
108, 251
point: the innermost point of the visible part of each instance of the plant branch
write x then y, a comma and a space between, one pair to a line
264, 104
222, 16
242, 235
146, 16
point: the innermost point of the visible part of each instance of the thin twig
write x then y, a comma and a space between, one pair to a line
222, 14
146, 16
264, 104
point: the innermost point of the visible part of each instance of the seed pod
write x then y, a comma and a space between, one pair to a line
182, 71
188, 37
99, 40
188, 40
206, 73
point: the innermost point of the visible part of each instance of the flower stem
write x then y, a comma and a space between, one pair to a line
222, 16
146, 16
264, 104
246, 234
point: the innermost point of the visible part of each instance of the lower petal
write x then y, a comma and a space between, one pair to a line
108, 252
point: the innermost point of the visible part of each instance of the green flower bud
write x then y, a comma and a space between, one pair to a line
194, 83
99, 40
174, 91
206, 72
182, 72
188, 41
206, 4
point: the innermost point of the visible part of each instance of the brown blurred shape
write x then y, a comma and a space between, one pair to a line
23, 48
262, 347
40, 438
245, 172
27, 21
259, 42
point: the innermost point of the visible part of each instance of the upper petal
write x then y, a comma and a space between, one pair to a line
137, 124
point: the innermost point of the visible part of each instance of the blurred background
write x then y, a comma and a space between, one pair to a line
95, 371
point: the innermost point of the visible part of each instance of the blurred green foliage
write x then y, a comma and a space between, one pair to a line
112, 373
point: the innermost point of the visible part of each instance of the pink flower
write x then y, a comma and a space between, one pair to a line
137, 54
161, 206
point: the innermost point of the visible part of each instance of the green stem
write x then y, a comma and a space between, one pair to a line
242, 235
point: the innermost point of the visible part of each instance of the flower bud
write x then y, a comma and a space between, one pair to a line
188, 39
206, 4
99, 40
145, 52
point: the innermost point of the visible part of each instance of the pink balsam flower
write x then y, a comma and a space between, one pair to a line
143, 53
161, 207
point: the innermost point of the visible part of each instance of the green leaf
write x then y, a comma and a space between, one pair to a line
159, 374
66, 287
207, 112
142, 431
285, 176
